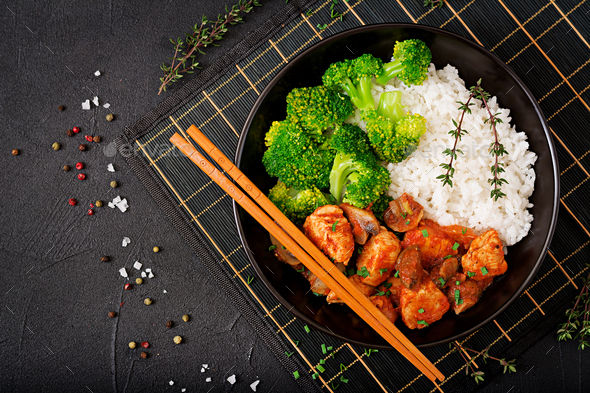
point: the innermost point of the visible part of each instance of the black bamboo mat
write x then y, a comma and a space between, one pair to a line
543, 41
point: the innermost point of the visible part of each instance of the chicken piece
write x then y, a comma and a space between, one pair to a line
385, 306
463, 293
330, 231
317, 286
285, 255
433, 242
462, 235
403, 214
392, 289
409, 267
365, 289
441, 274
377, 260
363, 222
485, 257
423, 305
485, 283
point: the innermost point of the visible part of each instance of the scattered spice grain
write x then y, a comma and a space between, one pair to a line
185, 317
79, 165
110, 117
114, 184
132, 345
156, 249
138, 281
76, 130
14, 152
145, 344
81, 176
143, 355
177, 340
66, 168
112, 314
82, 147
169, 324
88, 138
96, 139
90, 212
56, 146
61, 108
70, 133
104, 259
127, 286
98, 203
148, 301
72, 202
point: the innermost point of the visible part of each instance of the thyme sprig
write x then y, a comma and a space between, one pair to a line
577, 317
496, 148
203, 35
478, 376
434, 3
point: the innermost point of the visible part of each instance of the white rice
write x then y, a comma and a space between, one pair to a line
468, 202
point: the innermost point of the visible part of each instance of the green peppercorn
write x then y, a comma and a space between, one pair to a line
56, 146
98, 203
114, 184
185, 317
148, 301
156, 249
177, 340
138, 281
110, 117
132, 345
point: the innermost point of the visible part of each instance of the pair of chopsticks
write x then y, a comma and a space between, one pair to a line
296, 242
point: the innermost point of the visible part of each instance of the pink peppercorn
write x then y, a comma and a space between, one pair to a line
73, 202
81, 176
76, 130
89, 138
79, 165
127, 286
145, 344
90, 212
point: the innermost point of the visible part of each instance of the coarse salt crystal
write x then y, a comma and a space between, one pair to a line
165, 291
117, 199
112, 205
95, 101
123, 206
97, 73
143, 275
123, 272
202, 369
183, 390
137, 265
171, 383
253, 385
151, 275
86, 105
110, 168
208, 379
126, 241
232, 379
148, 270
107, 105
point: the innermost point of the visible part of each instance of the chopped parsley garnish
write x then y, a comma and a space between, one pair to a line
457, 282
363, 272
342, 367
457, 296
322, 361
442, 281
350, 272
296, 374
296, 343
342, 379
317, 294
322, 27
484, 271
447, 257
380, 293
460, 302
309, 13
381, 271
334, 384
387, 284
324, 351
301, 270
369, 351
408, 222
359, 250
387, 293
321, 368
424, 233
314, 376
250, 279
329, 348
289, 354
403, 215
306, 329
455, 246
333, 259
423, 323
272, 247
464, 230
334, 226
421, 310
470, 274
284, 248
396, 273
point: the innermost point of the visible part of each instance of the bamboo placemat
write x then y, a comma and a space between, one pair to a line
543, 41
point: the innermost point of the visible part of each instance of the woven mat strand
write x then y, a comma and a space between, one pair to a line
527, 35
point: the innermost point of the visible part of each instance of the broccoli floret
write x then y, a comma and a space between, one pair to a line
410, 64
354, 77
393, 134
296, 158
381, 205
318, 108
296, 204
356, 176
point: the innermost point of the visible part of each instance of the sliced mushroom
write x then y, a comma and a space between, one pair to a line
363, 222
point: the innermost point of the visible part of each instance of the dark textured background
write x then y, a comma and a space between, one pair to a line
55, 293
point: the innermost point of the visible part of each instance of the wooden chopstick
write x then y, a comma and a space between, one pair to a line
333, 278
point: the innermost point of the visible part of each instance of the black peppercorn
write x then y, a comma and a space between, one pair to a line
143, 355
82, 147
66, 168
169, 324
112, 314
70, 133
96, 139
104, 259
61, 108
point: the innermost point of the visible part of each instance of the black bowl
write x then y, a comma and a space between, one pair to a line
473, 63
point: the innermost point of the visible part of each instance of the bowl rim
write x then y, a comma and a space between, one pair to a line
435, 30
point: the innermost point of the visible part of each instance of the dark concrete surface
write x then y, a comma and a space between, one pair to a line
55, 293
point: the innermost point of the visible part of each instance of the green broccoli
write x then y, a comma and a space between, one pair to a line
296, 158
296, 204
393, 134
317, 108
356, 177
381, 205
410, 64
354, 77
